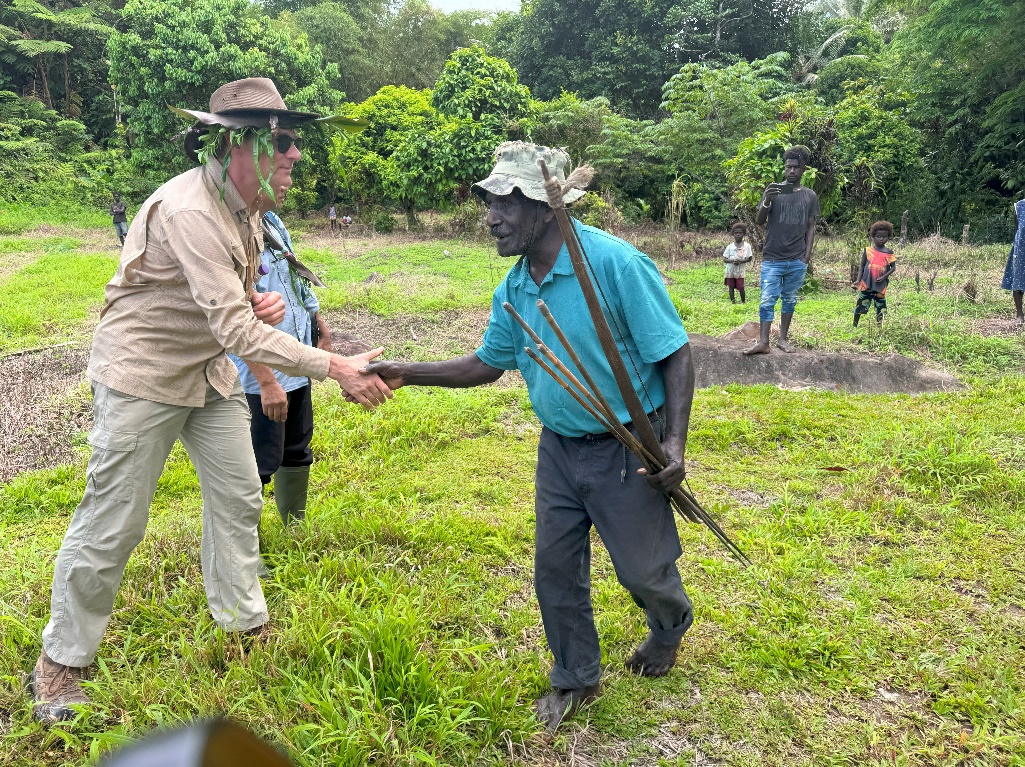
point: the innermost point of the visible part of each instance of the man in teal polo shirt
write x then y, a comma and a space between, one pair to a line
584, 476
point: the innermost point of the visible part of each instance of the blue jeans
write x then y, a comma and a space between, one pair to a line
780, 278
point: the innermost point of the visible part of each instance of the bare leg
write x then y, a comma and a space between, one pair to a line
733, 298
1019, 317
762, 347
857, 319
784, 331
743, 298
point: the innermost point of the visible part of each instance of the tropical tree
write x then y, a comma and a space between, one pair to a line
49, 50
566, 45
474, 85
968, 74
169, 54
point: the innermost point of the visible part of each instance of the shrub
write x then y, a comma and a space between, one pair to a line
598, 210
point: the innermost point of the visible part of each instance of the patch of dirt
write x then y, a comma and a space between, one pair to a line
891, 705
721, 361
969, 589
12, 262
998, 326
749, 498
41, 411
435, 335
588, 748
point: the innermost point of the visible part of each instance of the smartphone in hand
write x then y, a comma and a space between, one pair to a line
786, 188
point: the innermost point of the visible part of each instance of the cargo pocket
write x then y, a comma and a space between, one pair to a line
112, 465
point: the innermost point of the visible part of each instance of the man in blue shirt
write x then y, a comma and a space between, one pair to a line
281, 405
584, 476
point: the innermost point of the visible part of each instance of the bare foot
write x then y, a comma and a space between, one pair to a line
1019, 322
558, 705
785, 346
758, 348
652, 658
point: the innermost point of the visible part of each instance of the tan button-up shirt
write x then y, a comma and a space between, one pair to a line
180, 298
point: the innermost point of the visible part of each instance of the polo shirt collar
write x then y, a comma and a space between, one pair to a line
562, 265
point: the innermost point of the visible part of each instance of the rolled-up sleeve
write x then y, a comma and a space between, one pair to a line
206, 260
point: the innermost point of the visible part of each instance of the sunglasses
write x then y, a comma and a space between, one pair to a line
286, 142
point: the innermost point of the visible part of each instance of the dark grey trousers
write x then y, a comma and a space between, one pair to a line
580, 482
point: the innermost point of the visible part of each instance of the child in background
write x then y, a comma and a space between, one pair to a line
877, 264
737, 256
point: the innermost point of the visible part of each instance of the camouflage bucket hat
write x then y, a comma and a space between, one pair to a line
516, 167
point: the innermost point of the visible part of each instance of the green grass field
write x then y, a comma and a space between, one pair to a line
881, 624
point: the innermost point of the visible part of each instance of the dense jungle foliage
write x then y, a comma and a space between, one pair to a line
685, 105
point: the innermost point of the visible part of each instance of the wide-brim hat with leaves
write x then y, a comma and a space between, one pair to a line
248, 103
253, 103
516, 167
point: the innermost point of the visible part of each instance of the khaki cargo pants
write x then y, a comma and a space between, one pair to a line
131, 440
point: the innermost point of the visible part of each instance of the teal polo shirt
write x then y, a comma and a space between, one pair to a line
640, 306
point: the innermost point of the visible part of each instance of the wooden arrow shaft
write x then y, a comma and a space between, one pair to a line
634, 407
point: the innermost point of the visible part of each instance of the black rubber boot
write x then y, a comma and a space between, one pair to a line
291, 484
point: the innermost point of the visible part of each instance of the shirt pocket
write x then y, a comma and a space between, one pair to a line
112, 467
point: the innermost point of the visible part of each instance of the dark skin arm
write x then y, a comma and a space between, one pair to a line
468, 370
678, 374
457, 373
809, 241
771, 193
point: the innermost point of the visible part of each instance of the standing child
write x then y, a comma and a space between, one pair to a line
737, 256
877, 264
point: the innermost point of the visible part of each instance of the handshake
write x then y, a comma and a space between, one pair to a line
368, 384
363, 383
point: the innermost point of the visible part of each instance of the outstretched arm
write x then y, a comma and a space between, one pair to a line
457, 373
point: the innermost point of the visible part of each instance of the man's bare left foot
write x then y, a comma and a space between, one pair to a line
758, 348
652, 658
785, 346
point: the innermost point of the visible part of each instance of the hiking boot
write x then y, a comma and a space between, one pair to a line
558, 705
55, 689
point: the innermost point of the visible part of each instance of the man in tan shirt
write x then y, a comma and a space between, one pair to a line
181, 297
